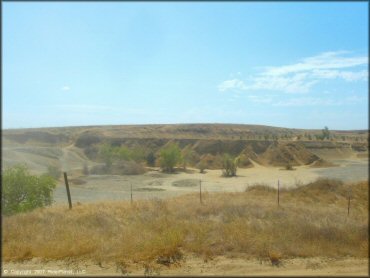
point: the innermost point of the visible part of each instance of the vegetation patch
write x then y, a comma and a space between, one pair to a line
310, 221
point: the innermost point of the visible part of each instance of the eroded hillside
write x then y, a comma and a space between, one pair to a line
268, 146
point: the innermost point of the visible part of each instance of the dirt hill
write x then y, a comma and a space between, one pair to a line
269, 146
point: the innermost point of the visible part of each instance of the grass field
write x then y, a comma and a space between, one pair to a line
311, 221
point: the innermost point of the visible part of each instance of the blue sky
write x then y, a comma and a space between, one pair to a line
297, 65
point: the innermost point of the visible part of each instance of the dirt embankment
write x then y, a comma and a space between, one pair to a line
209, 143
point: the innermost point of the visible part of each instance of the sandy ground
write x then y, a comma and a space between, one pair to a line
195, 266
155, 184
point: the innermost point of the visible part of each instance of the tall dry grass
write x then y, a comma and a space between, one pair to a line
310, 221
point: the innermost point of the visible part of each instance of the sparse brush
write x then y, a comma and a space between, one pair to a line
156, 232
275, 258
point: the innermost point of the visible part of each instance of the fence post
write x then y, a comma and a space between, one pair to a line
200, 191
278, 193
68, 193
349, 204
131, 192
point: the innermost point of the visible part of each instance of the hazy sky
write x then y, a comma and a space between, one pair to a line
301, 65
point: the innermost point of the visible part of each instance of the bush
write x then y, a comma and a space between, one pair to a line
150, 159
169, 157
289, 166
202, 165
23, 191
54, 171
106, 153
229, 165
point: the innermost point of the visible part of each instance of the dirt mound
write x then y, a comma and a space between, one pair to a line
282, 154
208, 141
322, 163
329, 150
212, 161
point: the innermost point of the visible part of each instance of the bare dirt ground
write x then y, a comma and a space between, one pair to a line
155, 184
196, 266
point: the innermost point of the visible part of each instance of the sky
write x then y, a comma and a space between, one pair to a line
285, 64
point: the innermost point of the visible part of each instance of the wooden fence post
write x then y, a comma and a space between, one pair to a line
349, 204
68, 193
131, 193
278, 193
200, 191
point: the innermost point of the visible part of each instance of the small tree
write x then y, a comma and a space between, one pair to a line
22, 191
107, 153
325, 133
229, 165
150, 159
202, 165
169, 157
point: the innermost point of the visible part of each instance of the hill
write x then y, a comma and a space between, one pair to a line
269, 146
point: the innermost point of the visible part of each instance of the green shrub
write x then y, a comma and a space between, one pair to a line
169, 157
229, 165
202, 165
23, 191
289, 166
150, 159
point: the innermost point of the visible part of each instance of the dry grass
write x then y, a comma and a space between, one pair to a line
311, 221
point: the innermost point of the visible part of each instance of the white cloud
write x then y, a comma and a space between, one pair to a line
66, 88
300, 77
296, 83
308, 101
362, 75
232, 84
326, 60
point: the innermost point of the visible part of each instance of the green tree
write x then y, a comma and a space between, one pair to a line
325, 133
122, 154
229, 165
170, 156
22, 191
150, 159
107, 154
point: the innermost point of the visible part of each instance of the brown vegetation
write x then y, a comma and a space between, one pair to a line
310, 221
